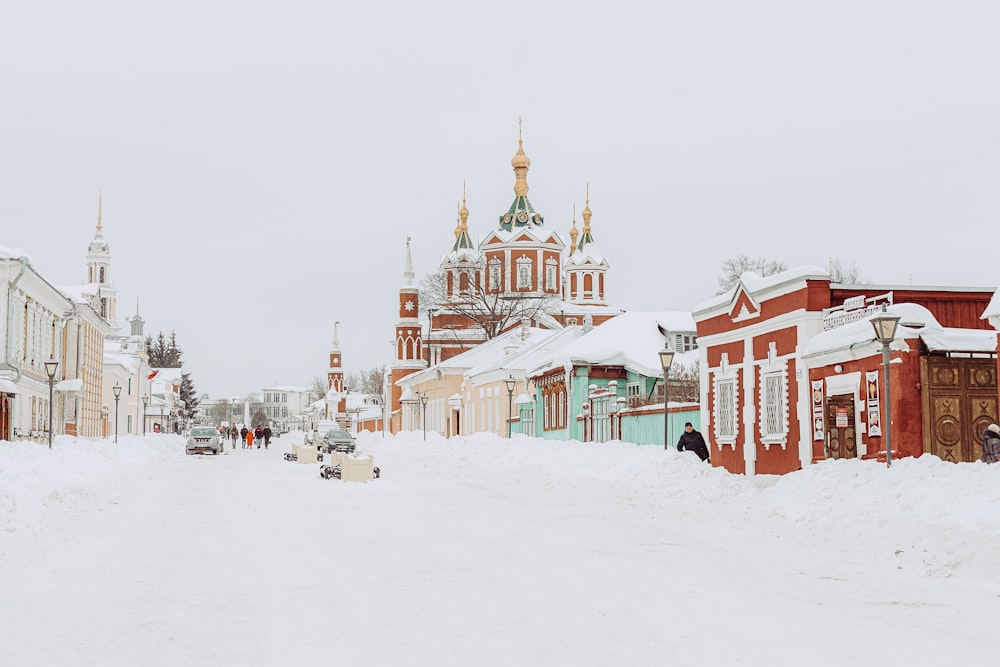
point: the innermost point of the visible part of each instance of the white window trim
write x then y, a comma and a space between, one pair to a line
726, 374
773, 368
523, 269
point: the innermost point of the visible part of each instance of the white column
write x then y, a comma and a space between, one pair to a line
749, 409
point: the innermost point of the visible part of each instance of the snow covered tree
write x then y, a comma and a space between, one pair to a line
163, 353
734, 267
493, 311
189, 396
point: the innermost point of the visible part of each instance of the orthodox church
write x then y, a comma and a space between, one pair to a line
520, 274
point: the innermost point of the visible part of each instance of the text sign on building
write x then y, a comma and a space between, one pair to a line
841, 417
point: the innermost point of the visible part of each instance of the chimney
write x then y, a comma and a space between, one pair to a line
525, 327
588, 323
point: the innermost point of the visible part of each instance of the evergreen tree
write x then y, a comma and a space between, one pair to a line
157, 351
189, 396
172, 352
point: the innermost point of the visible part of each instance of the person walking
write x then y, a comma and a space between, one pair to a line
250, 440
258, 435
267, 435
234, 433
692, 441
991, 444
243, 433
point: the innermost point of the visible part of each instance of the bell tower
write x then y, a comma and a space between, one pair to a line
99, 273
409, 337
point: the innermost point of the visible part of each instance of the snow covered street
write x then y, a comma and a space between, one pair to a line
481, 551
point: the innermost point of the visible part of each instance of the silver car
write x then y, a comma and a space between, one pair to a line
203, 439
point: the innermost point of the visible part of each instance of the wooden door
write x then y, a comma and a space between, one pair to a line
841, 433
960, 401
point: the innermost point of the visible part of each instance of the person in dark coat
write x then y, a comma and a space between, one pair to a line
691, 441
991, 444
266, 432
258, 435
243, 433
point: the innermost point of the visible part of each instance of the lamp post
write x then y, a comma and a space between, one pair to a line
423, 420
511, 383
145, 404
50, 369
885, 331
666, 359
118, 392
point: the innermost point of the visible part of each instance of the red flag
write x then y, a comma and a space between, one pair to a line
153, 375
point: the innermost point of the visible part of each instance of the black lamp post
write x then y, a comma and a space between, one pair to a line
666, 359
118, 392
511, 383
50, 369
423, 420
145, 404
885, 331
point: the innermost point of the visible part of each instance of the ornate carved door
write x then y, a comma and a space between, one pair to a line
960, 401
841, 434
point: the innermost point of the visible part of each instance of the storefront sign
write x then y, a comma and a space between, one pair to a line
841, 417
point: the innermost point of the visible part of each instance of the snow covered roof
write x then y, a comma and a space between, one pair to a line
70, 386
632, 340
589, 251
80, 293
753, 283
993, 310
536, 349
916, 322
286, 388
13, 253
481, 354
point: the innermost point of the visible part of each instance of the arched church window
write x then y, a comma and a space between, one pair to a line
102, 275
495, 274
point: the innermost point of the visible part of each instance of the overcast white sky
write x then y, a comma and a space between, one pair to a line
263, 163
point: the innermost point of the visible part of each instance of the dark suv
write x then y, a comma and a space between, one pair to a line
338, 440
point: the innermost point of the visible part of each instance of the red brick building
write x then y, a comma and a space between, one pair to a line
791, 372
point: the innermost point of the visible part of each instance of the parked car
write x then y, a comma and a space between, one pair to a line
203, 439
338, 440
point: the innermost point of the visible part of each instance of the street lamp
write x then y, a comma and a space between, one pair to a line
145, 404
511, 383
885, 331
118, 392
666, 359
50, 369
423, 421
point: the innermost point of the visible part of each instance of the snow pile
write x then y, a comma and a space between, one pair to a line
35, 479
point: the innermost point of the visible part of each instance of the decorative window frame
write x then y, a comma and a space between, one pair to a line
495, 274
523, 264
726, 376
773, 370
550, 274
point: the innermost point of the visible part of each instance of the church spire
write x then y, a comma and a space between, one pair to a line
521, 213
100, 229
573, 233
521, 163
586, 237
462, 240
336, 336
408, 274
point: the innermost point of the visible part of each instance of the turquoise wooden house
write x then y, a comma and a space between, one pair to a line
605, 384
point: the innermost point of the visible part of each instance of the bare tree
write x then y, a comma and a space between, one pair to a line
845, 274
494, 311
372, 380
352, 381
220, 412
734, 267
318, 388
